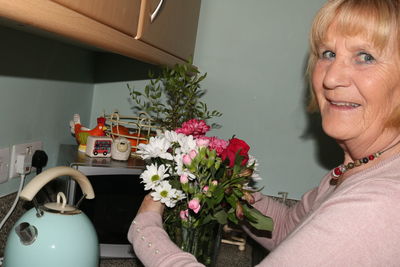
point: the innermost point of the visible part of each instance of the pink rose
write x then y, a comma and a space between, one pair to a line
186, 159
194, 205
205, 188
183, 179
184, 214
214, 182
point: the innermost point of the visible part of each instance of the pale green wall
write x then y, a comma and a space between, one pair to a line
39, 110
42, 84
112, 97
254, 53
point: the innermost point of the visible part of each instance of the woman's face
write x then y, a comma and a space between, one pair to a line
356, 86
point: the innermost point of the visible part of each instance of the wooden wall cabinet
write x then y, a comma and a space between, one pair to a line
123, 27
122, 15
174, 27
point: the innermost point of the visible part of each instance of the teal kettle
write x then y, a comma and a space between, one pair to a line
55, 234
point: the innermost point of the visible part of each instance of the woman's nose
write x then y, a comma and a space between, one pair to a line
337, 75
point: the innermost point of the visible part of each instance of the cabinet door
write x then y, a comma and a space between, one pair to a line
173, 28
122, 15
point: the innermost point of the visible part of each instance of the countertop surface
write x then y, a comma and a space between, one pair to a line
229, 255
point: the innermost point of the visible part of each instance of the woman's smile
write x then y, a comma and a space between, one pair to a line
340, 105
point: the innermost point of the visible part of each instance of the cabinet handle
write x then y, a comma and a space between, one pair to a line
154, 15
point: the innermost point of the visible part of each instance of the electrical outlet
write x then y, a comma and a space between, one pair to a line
24, 149
4, 164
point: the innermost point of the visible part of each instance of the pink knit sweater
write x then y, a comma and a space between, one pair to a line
355, 224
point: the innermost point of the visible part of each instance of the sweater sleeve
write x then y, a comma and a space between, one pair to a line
153, 246
358, 226
285, 218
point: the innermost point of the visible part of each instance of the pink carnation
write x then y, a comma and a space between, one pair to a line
203, 141
218, 144
194, 127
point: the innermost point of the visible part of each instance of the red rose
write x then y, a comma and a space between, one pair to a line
233, 147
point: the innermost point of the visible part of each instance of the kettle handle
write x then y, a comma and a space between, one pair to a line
31, 189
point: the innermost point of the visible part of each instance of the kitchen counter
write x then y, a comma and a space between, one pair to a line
229, 255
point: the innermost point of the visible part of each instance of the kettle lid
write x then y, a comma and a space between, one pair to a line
61, 206
55, 207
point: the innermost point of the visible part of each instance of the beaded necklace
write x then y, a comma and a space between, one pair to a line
341, 169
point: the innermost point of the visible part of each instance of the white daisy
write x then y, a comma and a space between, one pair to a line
187, 144
153, 175
173, 136
156, 148
164, 193
178, 163
179, 195
256, 175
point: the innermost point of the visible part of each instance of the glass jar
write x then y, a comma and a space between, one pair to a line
202, 241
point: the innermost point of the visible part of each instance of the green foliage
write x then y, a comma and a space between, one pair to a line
174, 97
225, 196
171, 99
257, 219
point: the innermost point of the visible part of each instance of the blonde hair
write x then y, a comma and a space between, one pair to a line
376, 20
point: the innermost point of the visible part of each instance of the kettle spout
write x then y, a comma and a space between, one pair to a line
27, 233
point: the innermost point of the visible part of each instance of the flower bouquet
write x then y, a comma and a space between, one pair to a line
204, 182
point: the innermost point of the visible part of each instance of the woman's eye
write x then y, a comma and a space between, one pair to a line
363, 57
328, 54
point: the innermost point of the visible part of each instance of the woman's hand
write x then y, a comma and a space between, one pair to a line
148, 204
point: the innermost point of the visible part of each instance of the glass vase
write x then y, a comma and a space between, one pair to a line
203, 241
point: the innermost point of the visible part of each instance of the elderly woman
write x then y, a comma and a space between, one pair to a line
353, 217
